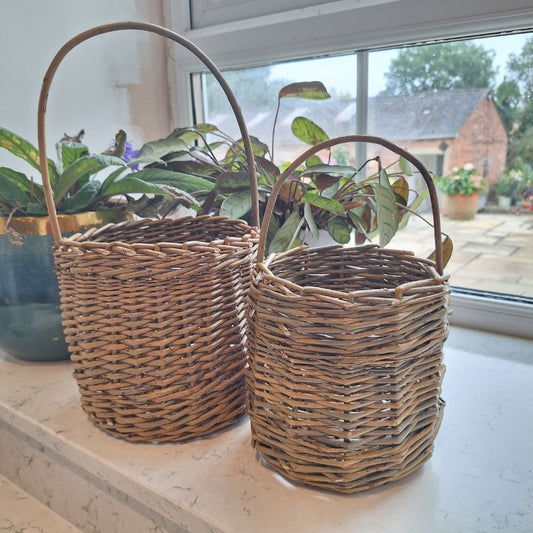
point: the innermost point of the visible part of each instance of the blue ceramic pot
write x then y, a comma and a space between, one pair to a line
30, 315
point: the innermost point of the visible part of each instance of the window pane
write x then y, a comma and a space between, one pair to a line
256, 90
449, 108
452, 105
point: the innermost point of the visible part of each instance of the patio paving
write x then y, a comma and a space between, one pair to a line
492, 252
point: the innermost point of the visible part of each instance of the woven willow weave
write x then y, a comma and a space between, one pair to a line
154, 311
154, 317
345, 360
345, 355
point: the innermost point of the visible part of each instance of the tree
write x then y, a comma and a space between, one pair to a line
520, 72
460, 65
520, 69
507, 98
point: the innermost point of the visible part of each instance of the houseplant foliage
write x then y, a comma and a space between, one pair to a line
75, 180
87, 188
322, 195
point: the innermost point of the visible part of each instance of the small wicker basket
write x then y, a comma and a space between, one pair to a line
345, 356
154, 310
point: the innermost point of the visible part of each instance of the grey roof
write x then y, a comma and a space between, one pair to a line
424, 115
421, 116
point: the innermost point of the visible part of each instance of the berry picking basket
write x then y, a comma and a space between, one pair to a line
154, 310
345, 355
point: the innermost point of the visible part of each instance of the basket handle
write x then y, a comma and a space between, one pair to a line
116, 26
345, 139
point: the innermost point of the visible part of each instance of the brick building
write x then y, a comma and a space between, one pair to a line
445, 129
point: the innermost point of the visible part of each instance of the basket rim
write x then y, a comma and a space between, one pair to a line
88, 240
264, 273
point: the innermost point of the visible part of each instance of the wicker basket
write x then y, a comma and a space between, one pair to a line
154, 310
345, 356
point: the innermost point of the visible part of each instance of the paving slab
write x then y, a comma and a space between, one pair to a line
481, 248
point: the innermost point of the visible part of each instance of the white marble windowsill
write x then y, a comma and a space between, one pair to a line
480, 478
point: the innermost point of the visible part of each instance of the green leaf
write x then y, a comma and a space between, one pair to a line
146, 160
82, 167
33, 209
233, 181
34, 190
332, 206
116, 174
314, 160
268, 172
11, 193
236, 205
162, 147
192, 133
81, 200
130, 184
259, 148
185, 182
415, 204
405, 166
313, 90
358, 221
307, 131
286, 234
273, 228
71, 151
26, 151
384, 179
339, 229
196, 168
387, 214
340, 170
311, 224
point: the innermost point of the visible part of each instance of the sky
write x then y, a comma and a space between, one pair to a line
339, 73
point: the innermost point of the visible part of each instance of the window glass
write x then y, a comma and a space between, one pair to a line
464, 109
461, 105
257, 89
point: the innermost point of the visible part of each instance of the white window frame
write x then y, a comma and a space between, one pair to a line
342, 26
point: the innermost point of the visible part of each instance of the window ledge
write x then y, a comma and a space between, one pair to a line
492, 313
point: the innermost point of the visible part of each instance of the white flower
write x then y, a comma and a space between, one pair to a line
468, 167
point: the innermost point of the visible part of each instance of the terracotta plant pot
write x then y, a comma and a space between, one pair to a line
460, 206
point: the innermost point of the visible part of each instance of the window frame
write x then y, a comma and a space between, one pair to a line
348, 26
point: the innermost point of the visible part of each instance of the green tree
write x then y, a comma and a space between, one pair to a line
520, 72
507, 98
520, 68
434, 67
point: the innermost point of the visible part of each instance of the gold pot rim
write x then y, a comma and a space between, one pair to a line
68, 223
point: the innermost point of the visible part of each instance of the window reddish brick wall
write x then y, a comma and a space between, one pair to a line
482, 141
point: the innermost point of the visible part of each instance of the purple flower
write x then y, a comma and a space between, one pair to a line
129, 154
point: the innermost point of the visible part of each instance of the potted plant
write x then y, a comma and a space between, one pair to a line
523, 173
507, 188
460, 191
340, 200
30, 321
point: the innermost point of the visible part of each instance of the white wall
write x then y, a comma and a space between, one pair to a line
109, 82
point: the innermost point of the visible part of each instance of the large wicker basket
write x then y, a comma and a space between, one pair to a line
345, 356
153, 310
